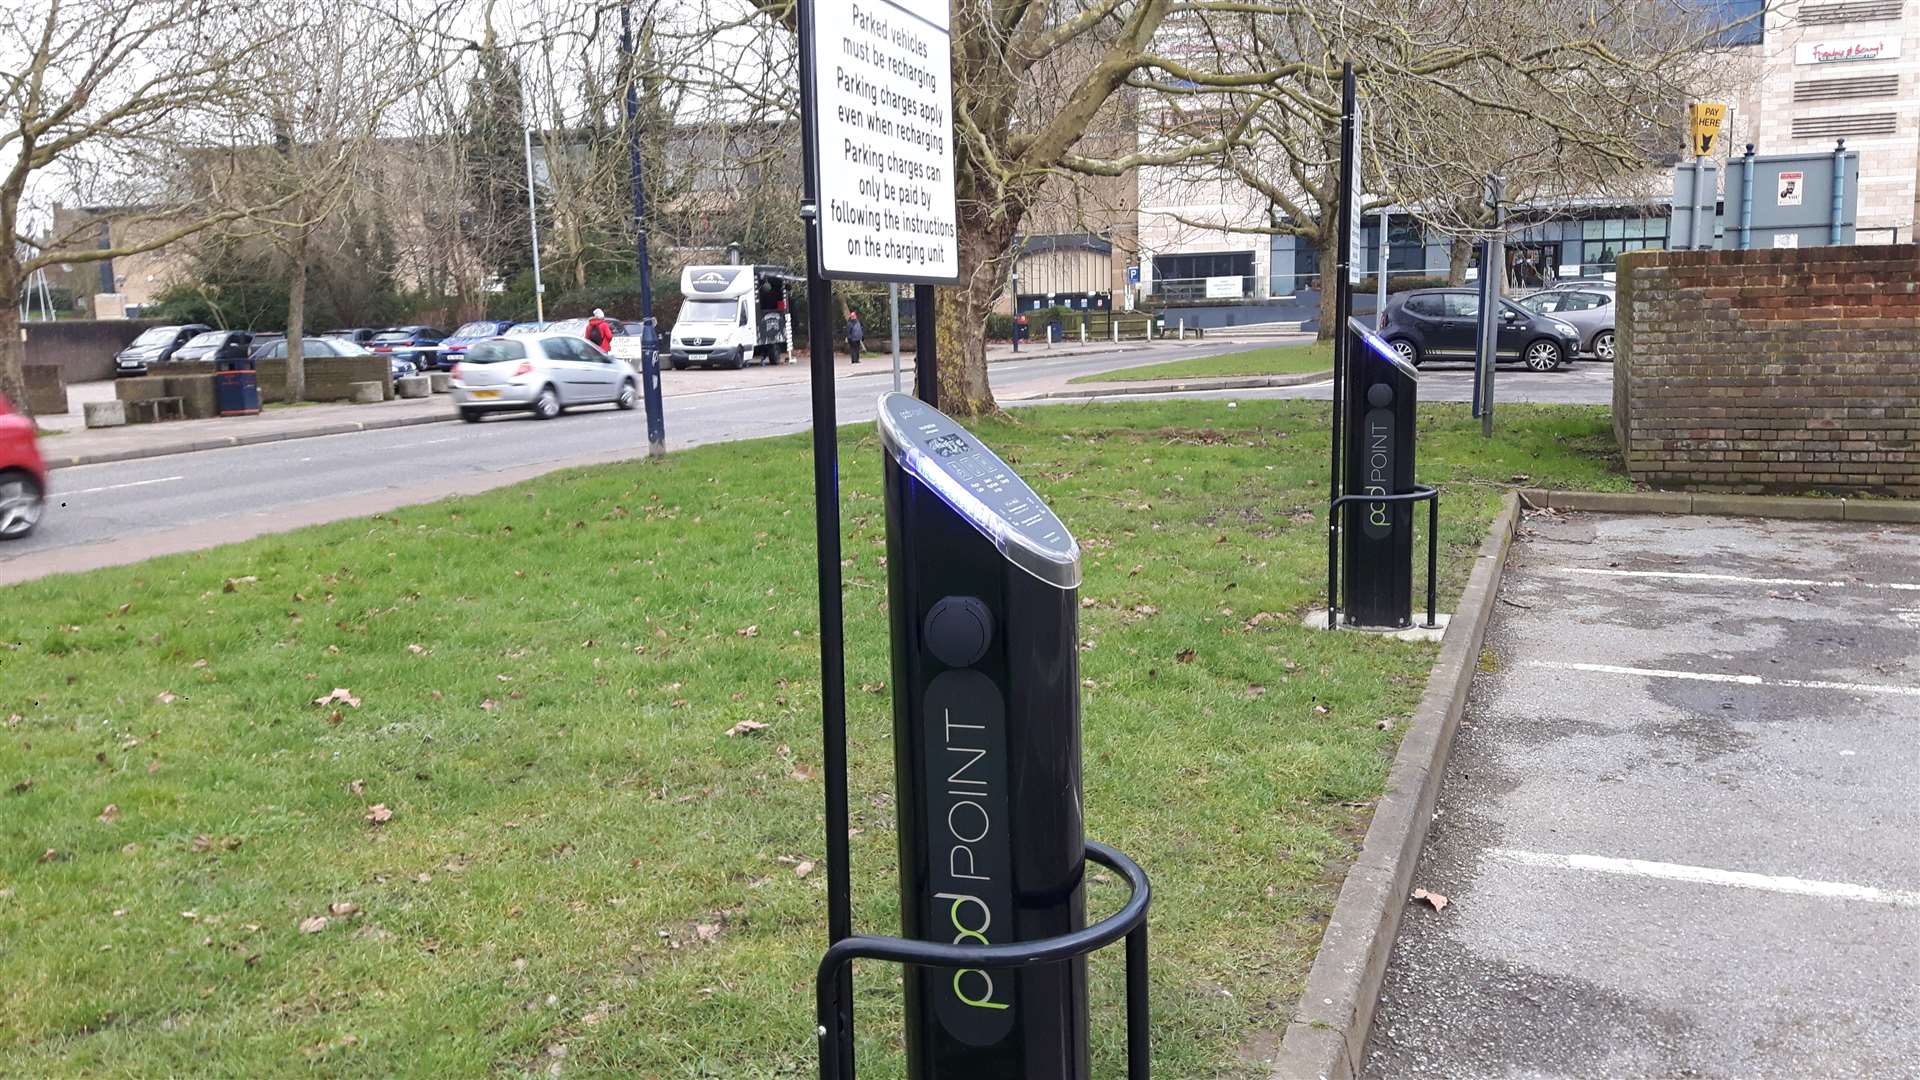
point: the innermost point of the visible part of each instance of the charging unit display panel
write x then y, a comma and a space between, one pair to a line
983, 585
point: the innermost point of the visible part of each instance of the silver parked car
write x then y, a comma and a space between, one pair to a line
1590, 311
541, 374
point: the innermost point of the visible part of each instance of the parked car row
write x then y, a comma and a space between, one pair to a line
1542, 330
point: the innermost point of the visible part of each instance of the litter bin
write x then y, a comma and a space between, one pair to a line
236, 386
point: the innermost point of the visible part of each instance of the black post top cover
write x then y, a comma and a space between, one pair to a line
980, 488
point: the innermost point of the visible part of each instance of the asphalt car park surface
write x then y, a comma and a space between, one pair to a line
1678, 829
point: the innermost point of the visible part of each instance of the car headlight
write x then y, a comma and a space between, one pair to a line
1565, 329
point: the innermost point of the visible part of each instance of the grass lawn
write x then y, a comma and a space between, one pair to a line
523, 836
1279, 360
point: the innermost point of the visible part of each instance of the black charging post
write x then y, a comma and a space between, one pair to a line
1378, 492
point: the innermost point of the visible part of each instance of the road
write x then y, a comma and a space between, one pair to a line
116, 513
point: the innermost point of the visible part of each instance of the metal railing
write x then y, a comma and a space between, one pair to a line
1129, 922
1420, 493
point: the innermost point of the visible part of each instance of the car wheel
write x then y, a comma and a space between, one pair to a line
471, 416
1542, 355
547, 405
1408, 350
739, 359
1603, 346
629, 396
22, 501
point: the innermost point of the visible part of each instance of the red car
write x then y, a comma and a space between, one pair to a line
23, 476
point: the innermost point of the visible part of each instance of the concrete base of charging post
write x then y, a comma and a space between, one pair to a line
1316, 619
1327, 1036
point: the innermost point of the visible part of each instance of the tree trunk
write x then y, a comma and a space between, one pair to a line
964, 309
13, 379
1330, 284
1459, 257
297, 319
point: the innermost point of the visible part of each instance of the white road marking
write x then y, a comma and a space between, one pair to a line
1707, 875
1743, 680
117, 487
1739, 580
411, 445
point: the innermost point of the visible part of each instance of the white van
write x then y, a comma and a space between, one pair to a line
731, 316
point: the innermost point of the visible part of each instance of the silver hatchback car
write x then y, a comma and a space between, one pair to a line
541, 374
1589, 310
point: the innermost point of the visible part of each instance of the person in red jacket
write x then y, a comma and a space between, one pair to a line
600, 331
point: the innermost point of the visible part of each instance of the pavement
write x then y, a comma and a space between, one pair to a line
1677, 825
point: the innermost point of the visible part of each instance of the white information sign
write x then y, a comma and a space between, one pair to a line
883, 129
1225, 288
1356, 221
1786, 240
1793, 189
1848, 50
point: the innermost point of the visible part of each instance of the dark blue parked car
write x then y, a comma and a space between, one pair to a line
396, 339
456, 343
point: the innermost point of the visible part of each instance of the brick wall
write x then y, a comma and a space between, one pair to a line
1771, 371
328, 378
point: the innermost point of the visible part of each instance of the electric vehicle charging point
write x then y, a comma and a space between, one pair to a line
1373, 514
983, 584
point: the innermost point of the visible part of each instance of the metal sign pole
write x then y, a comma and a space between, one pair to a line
893, 321
533, 226
826, 524
649, 337
926, 361
1342, 308
1380, 287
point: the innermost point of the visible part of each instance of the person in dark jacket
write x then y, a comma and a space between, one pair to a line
855, 335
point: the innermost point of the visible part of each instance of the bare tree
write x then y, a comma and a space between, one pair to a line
101, 97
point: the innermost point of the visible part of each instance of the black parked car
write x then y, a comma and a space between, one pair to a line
154, 345
215, 345
1440, 324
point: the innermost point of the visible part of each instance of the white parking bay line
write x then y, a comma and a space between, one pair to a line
1707, 875
1743, 680
1675, 575
117, 487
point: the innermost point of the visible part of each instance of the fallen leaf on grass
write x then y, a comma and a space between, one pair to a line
707, 931
748, 631
313, 924
22, 787
203, 842
1185, 656
417, 650
803, 772
378, 814
200, 664
1256, 690
803, 869
1437, 901
233, 584
489, 705
50, 855
341, 695
153, 766
343, 908
745, 727
167, 697
873, 687
1320, 709
357, 787
111, 814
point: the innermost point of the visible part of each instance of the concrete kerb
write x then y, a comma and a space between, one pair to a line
1248, 383
1804, 508
1327, 1035
187, 446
